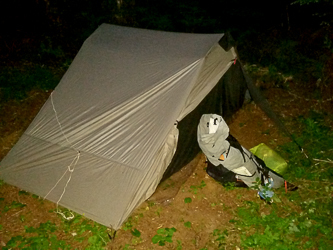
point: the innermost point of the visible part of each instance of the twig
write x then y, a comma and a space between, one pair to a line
312, 181
17, 213
329, 161
323, 197
307, 99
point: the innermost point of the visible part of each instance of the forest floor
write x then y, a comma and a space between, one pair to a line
199, 209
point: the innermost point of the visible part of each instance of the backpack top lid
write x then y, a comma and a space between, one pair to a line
212, 134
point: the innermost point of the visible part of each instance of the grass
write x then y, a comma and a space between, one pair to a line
42, 239
308, 225
163, 236
81, 230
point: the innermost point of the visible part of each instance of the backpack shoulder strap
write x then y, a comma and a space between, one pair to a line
235, 144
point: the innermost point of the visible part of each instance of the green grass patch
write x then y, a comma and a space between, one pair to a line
91, 234
310, 227
42, 238
13, 205
83, 229
195, 188
163, 235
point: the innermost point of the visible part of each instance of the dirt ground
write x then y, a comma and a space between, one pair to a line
212, 206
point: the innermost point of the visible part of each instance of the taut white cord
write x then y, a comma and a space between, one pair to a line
56, 116
70, 167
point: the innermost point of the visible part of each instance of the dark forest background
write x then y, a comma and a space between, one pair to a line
292, 37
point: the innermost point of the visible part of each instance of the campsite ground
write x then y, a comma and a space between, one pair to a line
190, 208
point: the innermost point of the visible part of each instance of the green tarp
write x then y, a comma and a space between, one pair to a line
271, 158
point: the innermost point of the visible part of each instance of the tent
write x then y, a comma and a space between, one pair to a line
124, 117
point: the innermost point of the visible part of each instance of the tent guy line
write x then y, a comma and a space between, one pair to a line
70, 167
71, 170
57, 118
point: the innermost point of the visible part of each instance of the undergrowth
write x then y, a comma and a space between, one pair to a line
307, 62
15, 83
84, 230
79, 230
40, 238
303, 218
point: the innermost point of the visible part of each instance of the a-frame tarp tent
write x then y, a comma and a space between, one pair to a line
103, 140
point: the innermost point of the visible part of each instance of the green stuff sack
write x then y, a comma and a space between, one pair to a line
272, 159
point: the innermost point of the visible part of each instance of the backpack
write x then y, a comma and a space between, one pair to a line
228, 161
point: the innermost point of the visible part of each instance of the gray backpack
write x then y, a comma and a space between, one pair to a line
225, 155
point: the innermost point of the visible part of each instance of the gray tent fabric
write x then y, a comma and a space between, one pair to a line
101, 143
